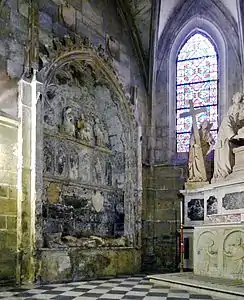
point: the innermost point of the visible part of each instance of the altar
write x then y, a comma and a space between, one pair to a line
216, 212
214, 209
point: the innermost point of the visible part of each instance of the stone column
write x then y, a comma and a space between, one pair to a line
138, 191
28, 96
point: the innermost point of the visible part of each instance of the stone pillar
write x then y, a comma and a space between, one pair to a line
138, 192
28, 96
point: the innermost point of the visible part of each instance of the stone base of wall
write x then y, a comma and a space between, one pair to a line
57, 265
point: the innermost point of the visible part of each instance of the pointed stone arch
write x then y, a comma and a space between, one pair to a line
213, 20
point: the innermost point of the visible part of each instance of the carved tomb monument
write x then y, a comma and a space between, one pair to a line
90, 198
218, 234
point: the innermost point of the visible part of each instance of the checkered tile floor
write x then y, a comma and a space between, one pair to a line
126, 288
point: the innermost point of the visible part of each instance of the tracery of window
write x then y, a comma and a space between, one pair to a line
196, 80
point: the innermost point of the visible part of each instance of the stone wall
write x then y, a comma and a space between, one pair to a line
161, 218
64, 199
8, 197
13, 37
101, 23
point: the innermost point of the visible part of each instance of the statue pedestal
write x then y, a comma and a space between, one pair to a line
191, 185
239, 162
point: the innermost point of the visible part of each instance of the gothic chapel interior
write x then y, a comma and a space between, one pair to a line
102, 112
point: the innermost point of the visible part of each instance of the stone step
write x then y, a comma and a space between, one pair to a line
215, 287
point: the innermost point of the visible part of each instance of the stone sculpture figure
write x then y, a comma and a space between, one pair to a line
84, 130
61, 161
206, 145
74, 166
98, 133
231, 124
68, 121
234, 250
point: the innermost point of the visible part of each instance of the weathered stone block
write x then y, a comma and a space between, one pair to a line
78, 264
11, 177
3, 222
55, 266
45, 21
68, 13
93, 264
4, 191
7, 264
2, 51
50, 8
169, 172
8, 206
12, 192
59, 29
53, 192
15, 68
8, 241
23, 9
81, 28
11, 223
45, 38
129, 261
21, 22
5, 12
92, 16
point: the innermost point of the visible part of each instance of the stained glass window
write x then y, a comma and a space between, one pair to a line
197, 80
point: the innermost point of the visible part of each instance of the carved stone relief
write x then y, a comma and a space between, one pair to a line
234, 254
86, 154
230, 218
195, 211
68, 121
207, 252
97, 171
73, 165
85, 167
113, 47
49, 157
212, 205
233, 201
97, 201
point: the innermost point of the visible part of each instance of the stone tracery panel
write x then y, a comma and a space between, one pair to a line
87, 150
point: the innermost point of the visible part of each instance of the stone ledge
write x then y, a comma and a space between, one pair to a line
74, 263
216, 287
83, 248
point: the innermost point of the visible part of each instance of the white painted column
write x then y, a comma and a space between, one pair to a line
27, 178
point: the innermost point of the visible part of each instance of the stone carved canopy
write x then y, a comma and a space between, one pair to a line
89, 147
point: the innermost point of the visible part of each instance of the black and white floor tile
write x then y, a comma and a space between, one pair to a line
126, 288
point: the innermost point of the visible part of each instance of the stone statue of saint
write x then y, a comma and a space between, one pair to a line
98, 133
84, 129
196, 172
68, 121
229, 128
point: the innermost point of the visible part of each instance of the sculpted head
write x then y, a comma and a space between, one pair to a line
237, 98
206, 125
